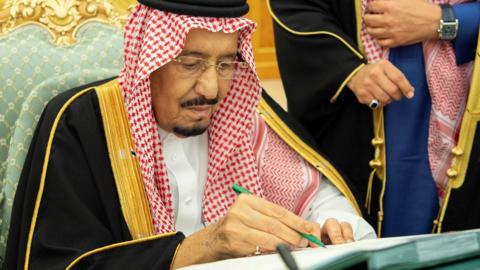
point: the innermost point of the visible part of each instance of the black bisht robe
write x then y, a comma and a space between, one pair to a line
79, 199
317, 50
80, 211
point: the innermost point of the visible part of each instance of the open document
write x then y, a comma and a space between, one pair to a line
387, 253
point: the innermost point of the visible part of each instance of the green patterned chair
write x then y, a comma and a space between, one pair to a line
46, 47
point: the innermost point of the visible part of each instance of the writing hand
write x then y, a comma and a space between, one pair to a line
250, 222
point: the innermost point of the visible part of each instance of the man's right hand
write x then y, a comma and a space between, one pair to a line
250, 222
253, 221
381, 81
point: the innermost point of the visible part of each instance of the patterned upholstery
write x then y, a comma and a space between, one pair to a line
32, 71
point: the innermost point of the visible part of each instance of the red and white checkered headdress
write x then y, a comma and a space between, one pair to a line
152, 39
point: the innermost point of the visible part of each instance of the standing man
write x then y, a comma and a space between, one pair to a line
410, 61
137, 172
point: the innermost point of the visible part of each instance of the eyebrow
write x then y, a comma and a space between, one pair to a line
204, 55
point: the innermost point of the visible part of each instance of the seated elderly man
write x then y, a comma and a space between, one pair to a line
137, 172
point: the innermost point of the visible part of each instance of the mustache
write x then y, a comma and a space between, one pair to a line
199, 102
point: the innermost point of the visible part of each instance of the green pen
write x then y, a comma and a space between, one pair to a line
310, 237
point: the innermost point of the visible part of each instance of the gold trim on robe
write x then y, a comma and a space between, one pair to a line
41, 185
121, 244
461, 152
126, 170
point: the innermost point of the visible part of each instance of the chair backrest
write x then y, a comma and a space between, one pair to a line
47, 47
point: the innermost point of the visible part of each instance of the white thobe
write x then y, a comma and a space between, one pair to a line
186, 160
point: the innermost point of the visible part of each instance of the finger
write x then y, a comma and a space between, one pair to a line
241, 240
258, 221
317, 233
378, 33
266, 242
387, 42
365, 99
347, 232
378, 93
389, 87
363, 96
283, 215
397, 77
333, 230
377, 7
374, 20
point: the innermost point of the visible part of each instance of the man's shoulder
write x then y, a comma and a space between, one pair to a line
74, 107
74, 97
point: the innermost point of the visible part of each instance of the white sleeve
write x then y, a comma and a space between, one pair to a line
330, 203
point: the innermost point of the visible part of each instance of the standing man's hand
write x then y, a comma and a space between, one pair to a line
396, 23
381, 81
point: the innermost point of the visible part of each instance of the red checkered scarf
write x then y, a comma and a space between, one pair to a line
448, 85
152, 39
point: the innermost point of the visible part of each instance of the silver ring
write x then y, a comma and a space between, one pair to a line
258, 251
374, 104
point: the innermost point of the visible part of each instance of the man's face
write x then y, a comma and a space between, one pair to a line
183, 100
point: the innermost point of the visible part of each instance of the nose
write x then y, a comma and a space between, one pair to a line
207, 83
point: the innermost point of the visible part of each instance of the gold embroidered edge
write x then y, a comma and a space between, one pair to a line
126, 170
462, 151
43, 175
116, 245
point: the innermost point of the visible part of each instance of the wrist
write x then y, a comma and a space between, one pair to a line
448, 23
200, 247
436, 16
351, 82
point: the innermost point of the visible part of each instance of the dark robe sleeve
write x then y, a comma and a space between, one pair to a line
79, 215
314, 66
